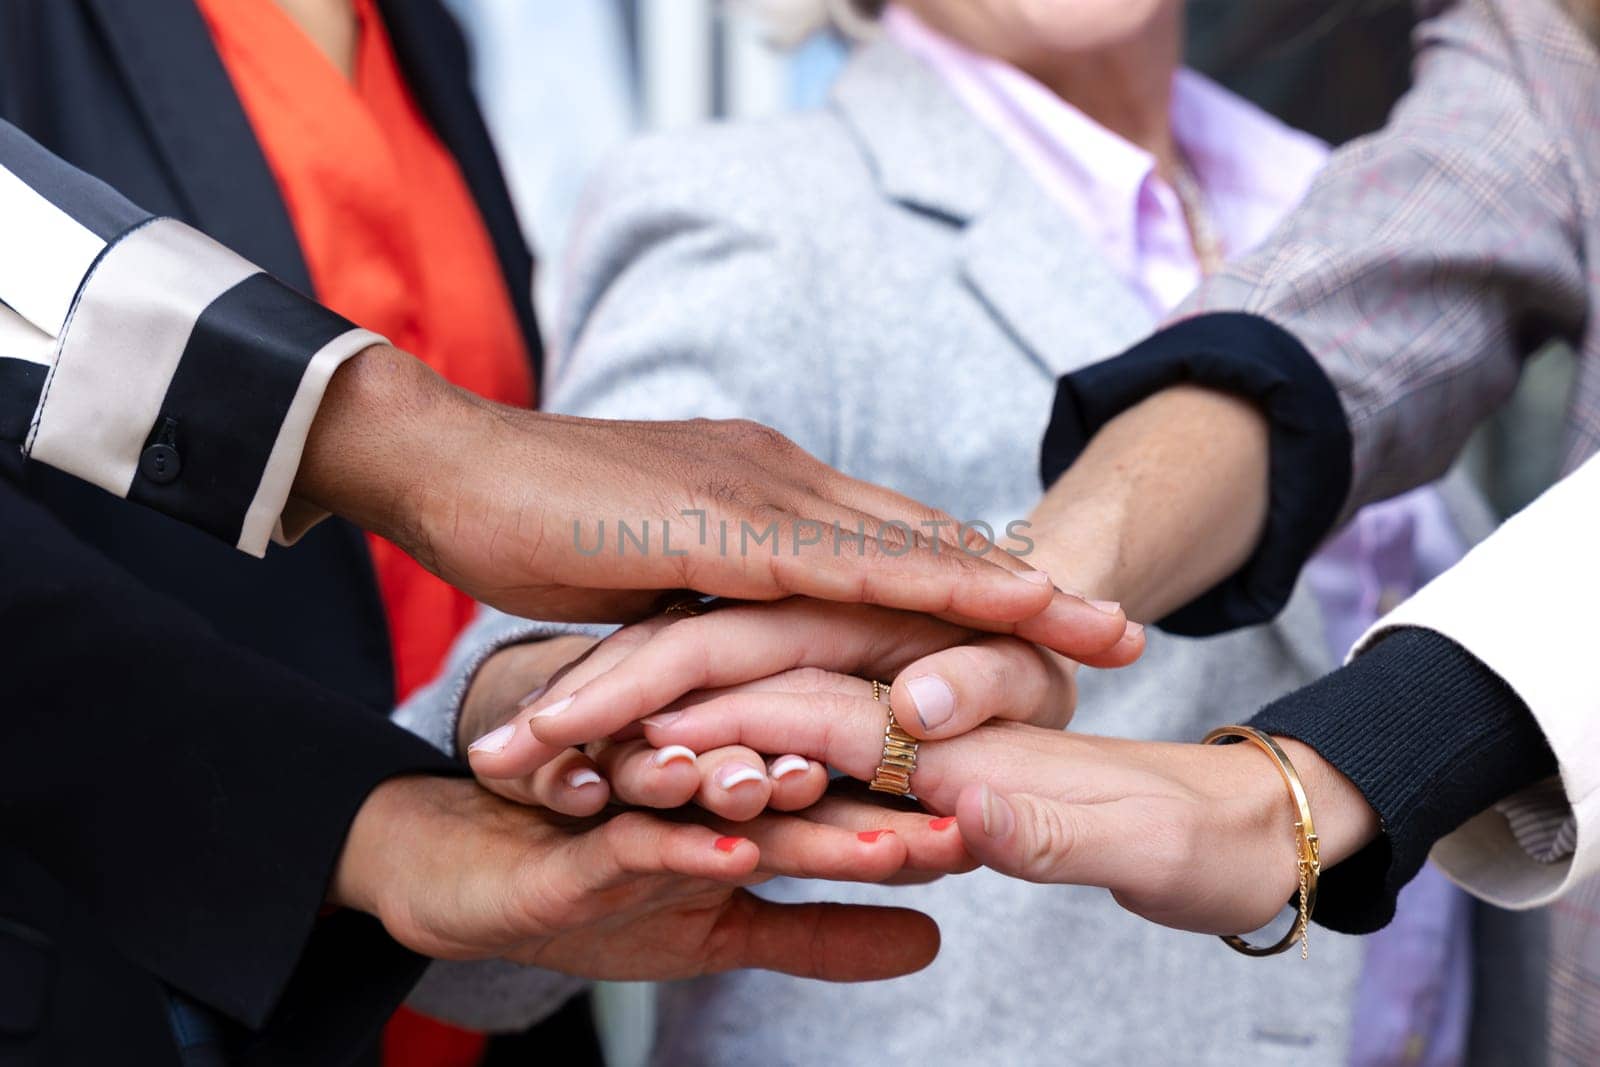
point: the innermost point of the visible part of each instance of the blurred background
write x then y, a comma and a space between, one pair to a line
563, 83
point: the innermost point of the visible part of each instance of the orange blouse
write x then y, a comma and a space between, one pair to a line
393, 241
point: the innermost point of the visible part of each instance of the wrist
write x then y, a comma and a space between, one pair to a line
507, 678
1077, 545
383, 444
1167, 500
1346, 822
360, 875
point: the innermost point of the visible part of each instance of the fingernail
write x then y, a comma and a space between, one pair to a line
728, 844
934, 699
666, 718
495, 740
671, 752
553, 710
787, 765
1033, 577
943, 823
1110, 607
581, 777
738, 774
533, 697
871, 836
998, 818
1134, 629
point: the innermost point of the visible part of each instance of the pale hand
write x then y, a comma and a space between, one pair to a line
947, 680
1188, 835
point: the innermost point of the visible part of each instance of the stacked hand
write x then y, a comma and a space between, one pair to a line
523, 510
1186, 835
510, 506
456, 873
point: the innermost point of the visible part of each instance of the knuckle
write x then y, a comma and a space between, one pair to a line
1051, 839
727, 490
624, 832
810, 680
981, 671
727, 944
748, 433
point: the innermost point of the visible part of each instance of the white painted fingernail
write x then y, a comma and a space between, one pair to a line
666, 718
738, 774
671, 752
787, 765
495, 740
553, 710
581, 777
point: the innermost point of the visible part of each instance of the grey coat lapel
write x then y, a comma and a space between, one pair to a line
1035, 271
1024, 257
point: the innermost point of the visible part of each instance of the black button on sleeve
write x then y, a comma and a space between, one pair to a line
160, 462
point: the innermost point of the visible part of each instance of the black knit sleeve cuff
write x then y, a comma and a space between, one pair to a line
1310, 442
1431, 736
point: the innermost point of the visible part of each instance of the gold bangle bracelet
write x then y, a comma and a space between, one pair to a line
1308, 856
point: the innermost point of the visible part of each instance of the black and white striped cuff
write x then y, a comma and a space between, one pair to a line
187, 379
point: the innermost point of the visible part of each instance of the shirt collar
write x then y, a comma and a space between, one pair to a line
1251, 167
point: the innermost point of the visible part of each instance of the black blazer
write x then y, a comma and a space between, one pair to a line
171, 809
135, 94
185, 732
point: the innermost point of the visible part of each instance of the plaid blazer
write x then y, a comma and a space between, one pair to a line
1430, 258
1426, 263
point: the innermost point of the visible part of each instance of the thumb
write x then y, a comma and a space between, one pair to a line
832, 942
1044, 840
511, 753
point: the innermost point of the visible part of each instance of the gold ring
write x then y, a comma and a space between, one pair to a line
899, 761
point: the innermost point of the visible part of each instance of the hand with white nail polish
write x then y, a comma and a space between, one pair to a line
947, 679
508, 758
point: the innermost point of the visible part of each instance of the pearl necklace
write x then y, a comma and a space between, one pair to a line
1202, 227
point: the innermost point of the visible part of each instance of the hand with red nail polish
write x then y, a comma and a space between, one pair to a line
457, 873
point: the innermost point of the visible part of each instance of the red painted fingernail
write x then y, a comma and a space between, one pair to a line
871, 836
728, 844
943, 824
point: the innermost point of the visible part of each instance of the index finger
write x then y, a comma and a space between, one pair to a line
737, 644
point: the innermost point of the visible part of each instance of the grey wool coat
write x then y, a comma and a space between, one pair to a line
883, 283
